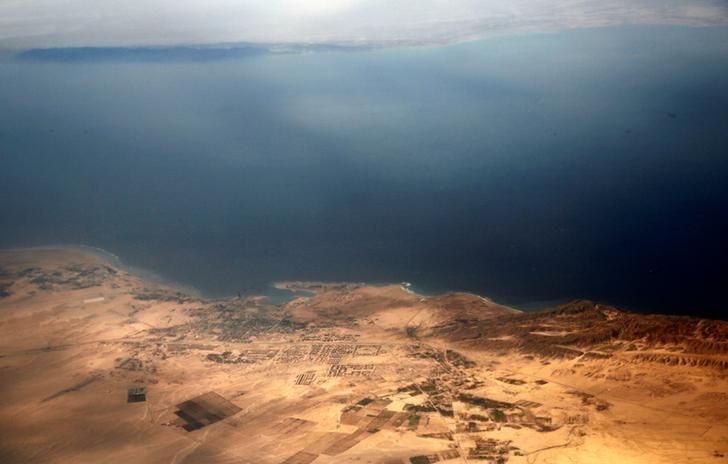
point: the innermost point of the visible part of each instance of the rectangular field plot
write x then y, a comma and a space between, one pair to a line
204, 410
302, 457
437, 457
136, 395
346, 442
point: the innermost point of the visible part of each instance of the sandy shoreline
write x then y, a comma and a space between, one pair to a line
117, 262
288, 286
352, 373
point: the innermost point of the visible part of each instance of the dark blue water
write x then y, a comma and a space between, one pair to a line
579, 164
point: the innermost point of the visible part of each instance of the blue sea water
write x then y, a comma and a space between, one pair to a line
579, 164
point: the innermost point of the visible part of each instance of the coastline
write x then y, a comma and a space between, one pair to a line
116, 261
278, 292
281, 292
79, 336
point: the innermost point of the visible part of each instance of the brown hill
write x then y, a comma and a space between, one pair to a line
584, 328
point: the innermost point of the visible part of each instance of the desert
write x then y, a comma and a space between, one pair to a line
101, 365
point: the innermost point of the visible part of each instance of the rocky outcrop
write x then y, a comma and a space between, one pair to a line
678, 360
591, 331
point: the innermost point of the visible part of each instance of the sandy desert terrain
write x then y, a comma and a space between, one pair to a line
99, 366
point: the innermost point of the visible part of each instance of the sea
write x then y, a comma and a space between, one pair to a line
530, 169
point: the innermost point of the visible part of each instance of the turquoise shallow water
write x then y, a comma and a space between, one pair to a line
587, 164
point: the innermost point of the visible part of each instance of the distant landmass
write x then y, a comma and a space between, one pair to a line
189, 53
139, 53
363, 21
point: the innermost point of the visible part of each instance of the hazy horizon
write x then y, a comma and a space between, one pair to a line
86, 23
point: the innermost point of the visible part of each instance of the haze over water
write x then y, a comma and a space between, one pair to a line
582, 164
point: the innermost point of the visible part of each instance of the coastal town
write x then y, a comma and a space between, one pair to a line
347, 373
